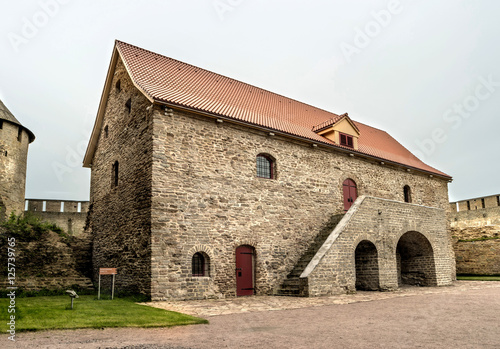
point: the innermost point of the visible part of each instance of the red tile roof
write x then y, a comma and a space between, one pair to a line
167, 80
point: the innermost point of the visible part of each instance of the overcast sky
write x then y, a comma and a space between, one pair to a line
426, 72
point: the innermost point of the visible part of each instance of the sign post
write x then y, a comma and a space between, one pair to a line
106, 271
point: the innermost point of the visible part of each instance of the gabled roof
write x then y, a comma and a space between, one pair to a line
333, 121
168, 81
6, 115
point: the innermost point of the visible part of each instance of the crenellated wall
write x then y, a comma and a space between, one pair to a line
71, 216
475, 227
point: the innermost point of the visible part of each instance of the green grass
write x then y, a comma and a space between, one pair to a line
484, 238
46, 313
478, 277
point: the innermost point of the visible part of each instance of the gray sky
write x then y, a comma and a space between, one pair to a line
426, 72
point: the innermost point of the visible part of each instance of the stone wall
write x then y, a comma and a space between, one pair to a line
478, 257
50, 261
13, 158
206, 197
411, 243
476, 234
120, 212
71, 216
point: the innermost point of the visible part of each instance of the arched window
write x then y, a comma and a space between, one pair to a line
265, 166
200, 264
118, 86
115, 173
407, 193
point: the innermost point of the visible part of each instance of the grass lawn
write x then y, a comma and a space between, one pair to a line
46, 313
478, 277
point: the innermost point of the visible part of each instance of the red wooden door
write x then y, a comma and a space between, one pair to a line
244, 271
350, 193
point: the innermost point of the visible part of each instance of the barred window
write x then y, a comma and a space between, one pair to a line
265, 166
200, 264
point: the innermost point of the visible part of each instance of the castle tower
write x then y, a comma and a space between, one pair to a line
14, 142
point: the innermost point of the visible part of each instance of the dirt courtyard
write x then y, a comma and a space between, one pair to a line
465, 315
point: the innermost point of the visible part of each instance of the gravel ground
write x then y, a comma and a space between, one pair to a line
459, 317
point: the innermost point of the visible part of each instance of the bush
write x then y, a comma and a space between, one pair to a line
29, 227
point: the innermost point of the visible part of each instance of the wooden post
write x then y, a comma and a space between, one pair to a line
107, 271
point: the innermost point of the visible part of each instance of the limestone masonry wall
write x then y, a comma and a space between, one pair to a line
383, 223
481, 225
120, 212
206, 197
13, 158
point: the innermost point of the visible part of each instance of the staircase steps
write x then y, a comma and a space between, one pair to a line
291, 285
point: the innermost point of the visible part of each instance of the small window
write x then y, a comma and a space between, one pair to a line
115, 172
129, 105
20, 134
468, 205
118, 86
265, 166
407, 193
106, 131
346, 140
200, 264
1, 124
498, 196
482, 203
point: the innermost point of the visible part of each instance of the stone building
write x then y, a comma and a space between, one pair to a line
14, 142
475, 227
204, 186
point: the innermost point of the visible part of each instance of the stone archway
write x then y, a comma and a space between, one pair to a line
367, 272
415, 260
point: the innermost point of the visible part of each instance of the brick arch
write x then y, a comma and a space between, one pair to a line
205, 250
245, 241
415, 260
359, 182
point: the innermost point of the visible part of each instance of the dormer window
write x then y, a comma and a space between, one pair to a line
346, 140
341, 130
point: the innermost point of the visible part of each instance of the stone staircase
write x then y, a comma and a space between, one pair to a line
291, 285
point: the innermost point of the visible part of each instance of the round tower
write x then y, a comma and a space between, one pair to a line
14, 142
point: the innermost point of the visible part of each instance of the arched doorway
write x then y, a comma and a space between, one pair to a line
367, 273
415, 260
350, 193
245, 276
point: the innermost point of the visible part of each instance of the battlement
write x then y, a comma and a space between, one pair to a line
40, 205
480, 203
